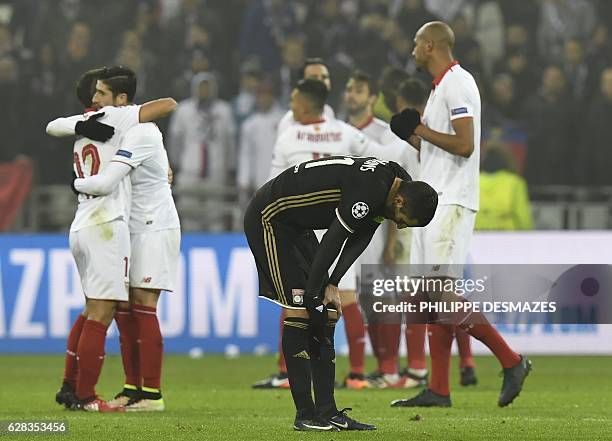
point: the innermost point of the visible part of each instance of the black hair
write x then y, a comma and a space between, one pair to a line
315, 91
421, 201
362, 77
86, 85
392, 77
413, 91
310, 62
120, 79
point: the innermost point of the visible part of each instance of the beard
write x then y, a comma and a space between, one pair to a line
355, 109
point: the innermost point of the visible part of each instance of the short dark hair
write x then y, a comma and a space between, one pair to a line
315, 91
421, 201
363, 77
392, 77
120, 79
310, 62
413, 91
86, 86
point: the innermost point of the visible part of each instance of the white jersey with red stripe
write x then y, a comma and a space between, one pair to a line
288, 120
325, 137
91, 157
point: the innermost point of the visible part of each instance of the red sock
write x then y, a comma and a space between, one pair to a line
440, 341
151, 345
465, 348
90, 357
373, 331
388, 343
355, 334
495, 342
70, 359
415, 343
128, 338
282, 366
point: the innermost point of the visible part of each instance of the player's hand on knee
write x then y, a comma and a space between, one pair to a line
332, 296
404, 123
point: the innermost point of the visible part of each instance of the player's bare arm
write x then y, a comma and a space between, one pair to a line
156, 109
460, 144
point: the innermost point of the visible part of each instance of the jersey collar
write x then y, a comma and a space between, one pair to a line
438, 79
365, 124
316, 121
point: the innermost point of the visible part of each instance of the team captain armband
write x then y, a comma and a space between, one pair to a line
459, 111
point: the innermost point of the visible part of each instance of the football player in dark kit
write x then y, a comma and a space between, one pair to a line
350, 197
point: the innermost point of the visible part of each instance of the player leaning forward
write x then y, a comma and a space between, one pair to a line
448, 139
100, 238
349, 197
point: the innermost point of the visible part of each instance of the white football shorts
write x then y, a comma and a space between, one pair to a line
155, 257
441, 248
102, 256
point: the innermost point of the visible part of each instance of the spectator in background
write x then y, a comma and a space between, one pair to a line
201, 143
198, 63
489, 32
264, 29
467, 48
400, 48
257, 136
10, 111
411, 14
562, 20
516, 64
504, 200
327, 29
550, 120
385, 105
595, 151
76, 58
243, 104
576, 70
502, 108
294, 55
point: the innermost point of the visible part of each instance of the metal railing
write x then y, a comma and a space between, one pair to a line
212, 207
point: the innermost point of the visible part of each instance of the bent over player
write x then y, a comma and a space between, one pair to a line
349, 197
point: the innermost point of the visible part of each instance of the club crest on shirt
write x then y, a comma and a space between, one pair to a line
359, 210
298, 296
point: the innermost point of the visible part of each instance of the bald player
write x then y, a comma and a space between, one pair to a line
448, 140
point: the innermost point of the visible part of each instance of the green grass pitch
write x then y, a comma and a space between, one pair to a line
565, 398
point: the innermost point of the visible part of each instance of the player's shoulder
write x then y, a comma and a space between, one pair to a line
144, 133
328, 111
377, 122
457, 75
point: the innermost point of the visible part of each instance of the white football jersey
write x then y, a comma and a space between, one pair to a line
304, 142
288, 120
152, 206
90, 158
455, 178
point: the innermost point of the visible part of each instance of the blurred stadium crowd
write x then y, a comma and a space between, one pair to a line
544, 68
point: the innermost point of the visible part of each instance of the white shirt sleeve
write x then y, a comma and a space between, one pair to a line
361, 145
280, 162
104, 182
458, 101
138, 145
61, 127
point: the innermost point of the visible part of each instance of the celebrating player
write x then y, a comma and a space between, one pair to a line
448, 139
99, 236
349, 197
155, 242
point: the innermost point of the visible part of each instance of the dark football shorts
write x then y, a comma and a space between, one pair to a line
283, 256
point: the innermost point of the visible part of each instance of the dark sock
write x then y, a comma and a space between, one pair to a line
297, 358
324, 375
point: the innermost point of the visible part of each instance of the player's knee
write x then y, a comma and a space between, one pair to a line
347, 298
144, 297
102, 311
